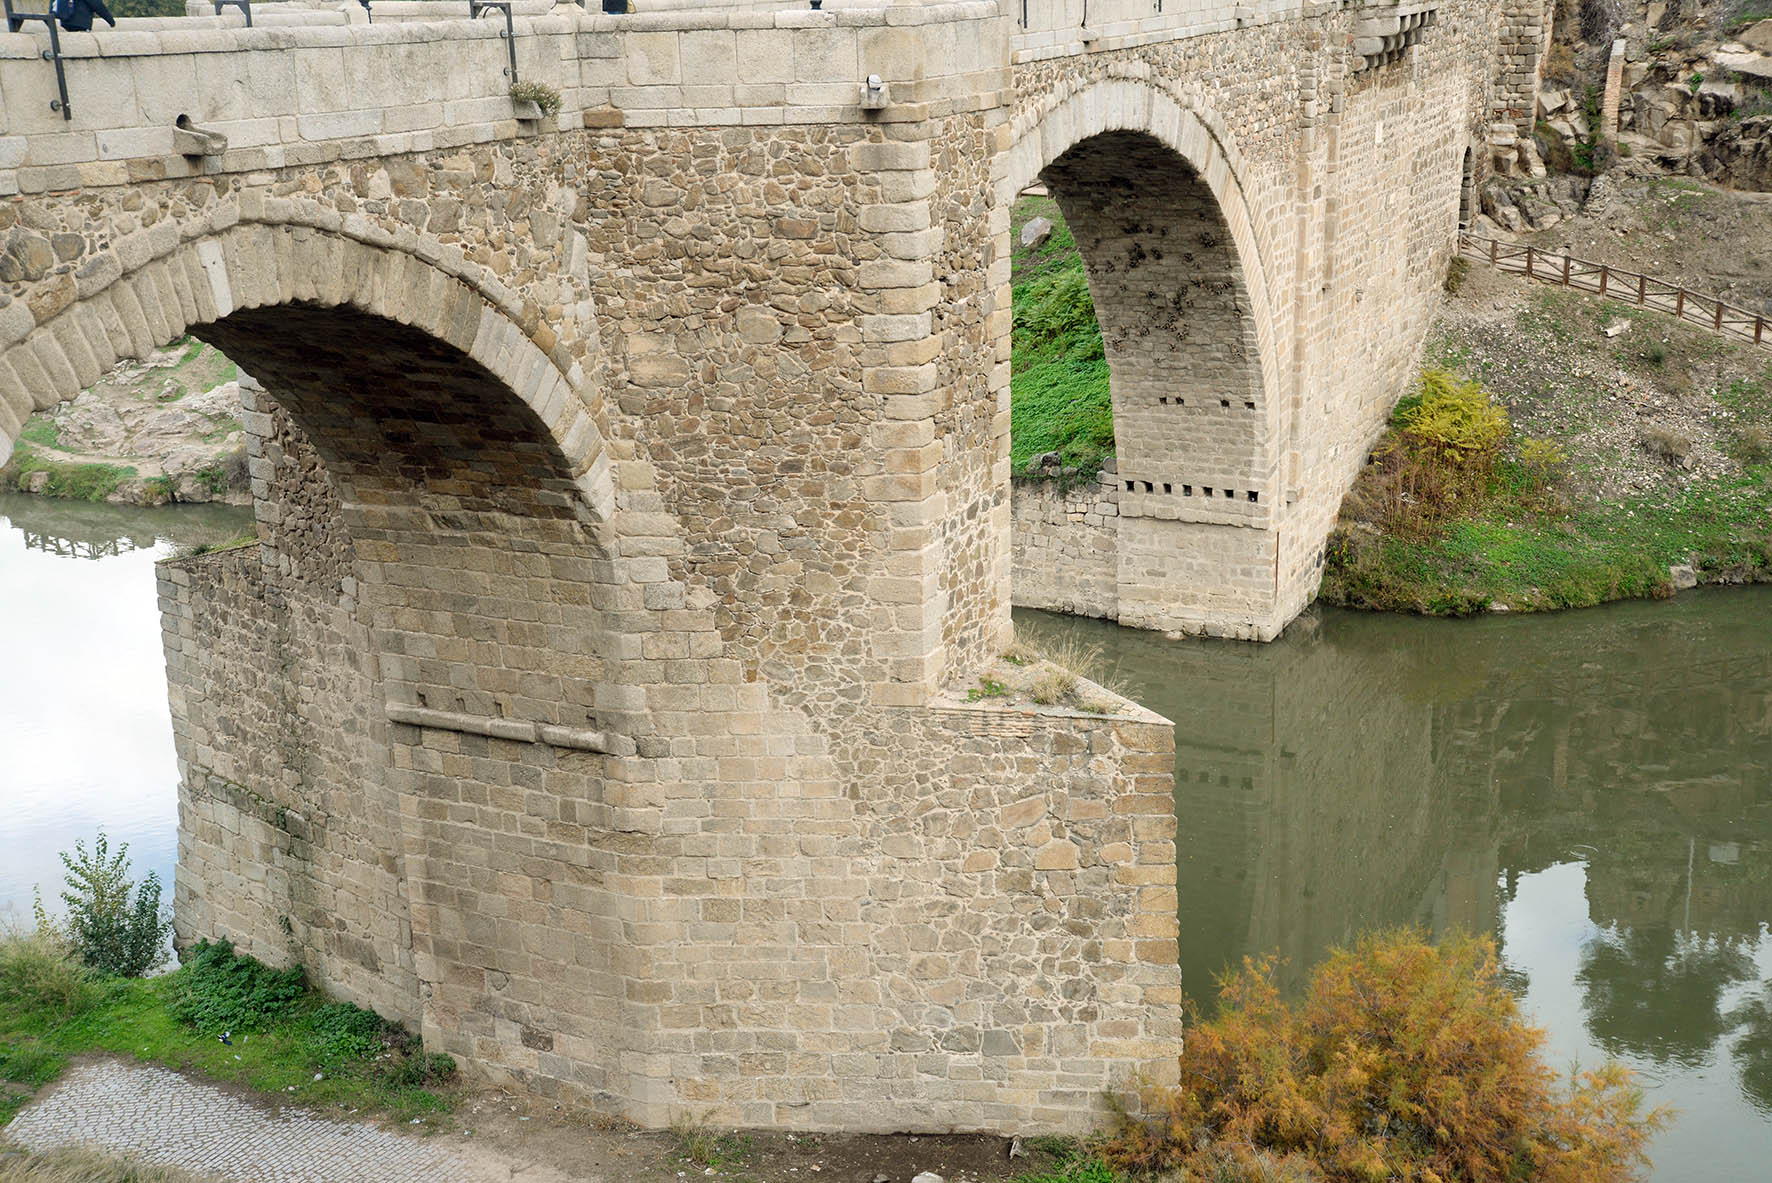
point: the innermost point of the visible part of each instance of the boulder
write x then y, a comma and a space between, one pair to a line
1754, 65
1757, 36
1035, 231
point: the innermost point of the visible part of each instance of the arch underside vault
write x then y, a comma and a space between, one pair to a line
416, 645
1197, 472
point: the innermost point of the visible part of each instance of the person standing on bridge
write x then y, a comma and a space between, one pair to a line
76, 15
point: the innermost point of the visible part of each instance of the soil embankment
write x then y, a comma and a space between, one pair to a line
162, 429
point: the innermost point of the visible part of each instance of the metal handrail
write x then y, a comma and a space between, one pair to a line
15, 21
476, 7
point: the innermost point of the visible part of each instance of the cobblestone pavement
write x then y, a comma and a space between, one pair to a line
167, 1119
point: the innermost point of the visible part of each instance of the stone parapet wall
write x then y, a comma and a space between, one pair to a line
305, 94
1066, 547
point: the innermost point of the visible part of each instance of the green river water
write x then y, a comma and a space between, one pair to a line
1594, 788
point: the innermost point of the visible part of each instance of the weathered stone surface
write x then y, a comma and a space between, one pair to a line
660, 459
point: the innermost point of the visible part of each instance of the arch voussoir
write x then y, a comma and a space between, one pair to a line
180, 282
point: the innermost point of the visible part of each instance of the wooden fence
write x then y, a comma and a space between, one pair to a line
1627, 287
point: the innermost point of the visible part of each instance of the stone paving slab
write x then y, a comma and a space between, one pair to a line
169, 1120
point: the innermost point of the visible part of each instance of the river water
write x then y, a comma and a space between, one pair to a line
87, 738
1595, 788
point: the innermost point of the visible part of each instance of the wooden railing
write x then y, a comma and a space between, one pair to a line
1615, 283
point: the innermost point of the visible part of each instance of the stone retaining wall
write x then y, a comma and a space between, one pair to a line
1066, 547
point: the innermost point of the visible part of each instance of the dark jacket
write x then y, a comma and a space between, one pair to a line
84, 11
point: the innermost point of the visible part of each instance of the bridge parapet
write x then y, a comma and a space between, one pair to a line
312, 89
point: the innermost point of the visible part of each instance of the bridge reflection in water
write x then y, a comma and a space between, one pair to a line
1595, 787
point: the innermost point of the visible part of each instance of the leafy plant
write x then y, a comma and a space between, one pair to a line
113, 926
1543, 463
221, 991
1694, 82
987, 688
539, 93
1403, 1061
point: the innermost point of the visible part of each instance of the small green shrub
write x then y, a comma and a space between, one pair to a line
539, 93
114, 926
1694, 82
220, 990
1544, 463
1403, 1061
39, 973
343, 1032
987, 688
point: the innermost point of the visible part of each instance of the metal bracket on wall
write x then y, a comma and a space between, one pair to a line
245, 7
15, 22
476, 7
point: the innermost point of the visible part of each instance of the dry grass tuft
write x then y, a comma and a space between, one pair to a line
80, 1165
1070, 663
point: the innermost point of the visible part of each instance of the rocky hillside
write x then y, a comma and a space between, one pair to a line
1681, 85
162, 429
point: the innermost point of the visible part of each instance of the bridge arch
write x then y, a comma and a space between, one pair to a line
1155, 201
433, 501
148, 293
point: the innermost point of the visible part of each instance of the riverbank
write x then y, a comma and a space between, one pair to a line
1658, 438
162, 429
1665, 430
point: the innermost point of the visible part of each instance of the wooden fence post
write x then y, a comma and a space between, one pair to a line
1529, 274
1566, 263
1494, 245
1717, 324
1642, 289
1605, 272
1680, 305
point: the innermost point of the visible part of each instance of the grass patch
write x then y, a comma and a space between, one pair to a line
282, 1037
1059, 399
81, 1165
1585, 556
705, 1146
42, 432
76, 482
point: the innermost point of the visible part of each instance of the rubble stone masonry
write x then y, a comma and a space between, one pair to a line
633, 499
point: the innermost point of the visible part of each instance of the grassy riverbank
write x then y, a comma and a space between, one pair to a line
1667, 435
1666, 431
282, 1037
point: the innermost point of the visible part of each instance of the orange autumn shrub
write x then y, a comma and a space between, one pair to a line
1405, 1062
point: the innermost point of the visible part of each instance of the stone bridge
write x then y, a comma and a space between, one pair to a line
633, 492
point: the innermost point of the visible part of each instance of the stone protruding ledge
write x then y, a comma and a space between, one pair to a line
581, 739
